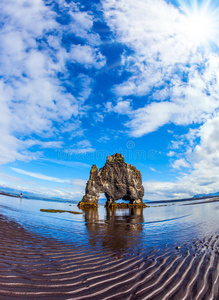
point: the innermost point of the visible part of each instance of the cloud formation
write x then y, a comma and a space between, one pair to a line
165, 64
52, 75
36, 88
178, 78
40, 176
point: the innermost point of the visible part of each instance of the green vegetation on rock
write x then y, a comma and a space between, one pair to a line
87, 205
126, 205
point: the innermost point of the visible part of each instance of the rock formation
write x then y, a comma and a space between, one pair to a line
117, 180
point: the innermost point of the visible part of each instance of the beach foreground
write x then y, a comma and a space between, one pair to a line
33, 266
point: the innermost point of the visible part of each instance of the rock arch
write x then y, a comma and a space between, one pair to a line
117, 180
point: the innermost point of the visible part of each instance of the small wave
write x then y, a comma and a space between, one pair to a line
166, 220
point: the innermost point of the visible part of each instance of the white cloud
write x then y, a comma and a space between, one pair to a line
171, 153
121, 107
84, 144
72, 164
209, 133
64, 188
41, 190
155, 190
180, 82
32, 94
179, 79
81, 22
201, 158
40, 176
79, 182
82, 150
180, 163
88, 56
51, 144
104, 139
98, 117
197, 183
82, 147
150, 118
152, 29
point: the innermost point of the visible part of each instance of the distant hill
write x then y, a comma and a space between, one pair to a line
9, 191
206, 195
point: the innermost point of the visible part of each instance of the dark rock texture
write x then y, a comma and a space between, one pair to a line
117, 180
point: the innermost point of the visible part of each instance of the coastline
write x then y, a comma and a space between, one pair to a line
9, 195
32, 267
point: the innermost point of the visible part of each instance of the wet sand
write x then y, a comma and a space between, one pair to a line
32, 267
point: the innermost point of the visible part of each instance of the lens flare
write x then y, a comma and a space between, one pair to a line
199, 28
200, 22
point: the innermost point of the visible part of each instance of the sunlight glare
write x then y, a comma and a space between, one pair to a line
200, 28
200, 23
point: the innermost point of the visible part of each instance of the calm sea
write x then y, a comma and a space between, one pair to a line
116, 230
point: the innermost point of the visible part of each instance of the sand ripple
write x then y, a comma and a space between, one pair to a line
33, 267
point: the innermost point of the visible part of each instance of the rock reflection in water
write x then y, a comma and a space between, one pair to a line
121, 229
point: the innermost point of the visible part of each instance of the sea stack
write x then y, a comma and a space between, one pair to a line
117, 180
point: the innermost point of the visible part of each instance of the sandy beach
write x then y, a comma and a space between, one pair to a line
34, 266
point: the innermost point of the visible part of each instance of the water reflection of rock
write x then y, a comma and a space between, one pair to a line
120, 230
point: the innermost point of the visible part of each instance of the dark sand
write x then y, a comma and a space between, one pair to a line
34, 267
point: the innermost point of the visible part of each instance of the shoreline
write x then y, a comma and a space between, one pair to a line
32, 266
9, 195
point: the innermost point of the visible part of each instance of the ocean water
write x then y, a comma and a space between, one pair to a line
116, 230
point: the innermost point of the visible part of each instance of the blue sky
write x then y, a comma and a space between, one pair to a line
80, 80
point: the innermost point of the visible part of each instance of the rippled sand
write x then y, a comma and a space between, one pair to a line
38, 267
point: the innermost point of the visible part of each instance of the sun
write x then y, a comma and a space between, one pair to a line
200, 28
200, 22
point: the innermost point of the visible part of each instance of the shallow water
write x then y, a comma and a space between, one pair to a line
116, 230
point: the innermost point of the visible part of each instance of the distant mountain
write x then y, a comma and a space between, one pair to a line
9, 191
206, 195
